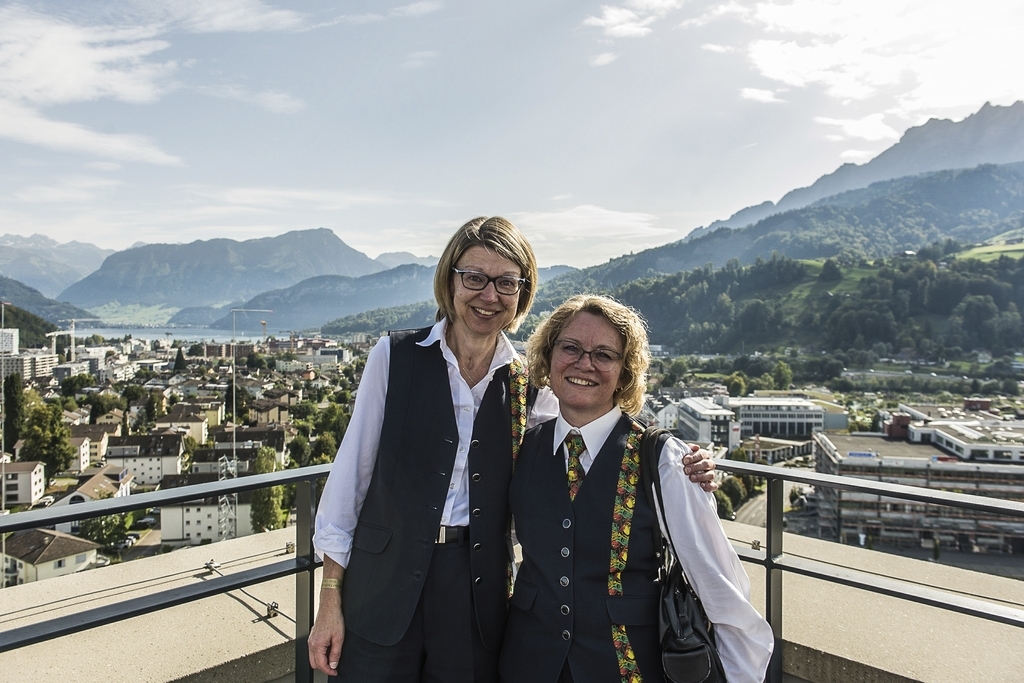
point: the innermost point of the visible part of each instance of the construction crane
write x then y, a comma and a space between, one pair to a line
292, 336
59, 333
264, 323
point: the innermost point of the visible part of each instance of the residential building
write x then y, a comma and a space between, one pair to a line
664, 409
80, 459
24, 482
186, 417
65, 370
268, 411
149, 457
97, 483
114, 417
99, 437
212, 408
200, 521
30, 364
117, 372
776, 416
969, 433
217, 460
9, 340
854, 517
703, 421
43, 554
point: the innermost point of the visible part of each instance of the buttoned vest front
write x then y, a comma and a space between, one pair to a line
399, 521
561, 606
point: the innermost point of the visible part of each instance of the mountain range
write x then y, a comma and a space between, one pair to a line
47, 265
941, 180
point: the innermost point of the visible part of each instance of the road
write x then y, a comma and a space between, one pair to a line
755, 511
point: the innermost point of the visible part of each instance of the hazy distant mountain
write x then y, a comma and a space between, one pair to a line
393, 259
993, 135
214, 272
46, 264
316, 300
33, 301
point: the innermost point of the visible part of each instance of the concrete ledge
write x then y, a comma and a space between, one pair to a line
832, 634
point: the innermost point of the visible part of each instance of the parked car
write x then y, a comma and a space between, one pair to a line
102, 560
147, 522
45, 501
133, 537
121, 546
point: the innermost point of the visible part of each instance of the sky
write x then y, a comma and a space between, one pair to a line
599, 129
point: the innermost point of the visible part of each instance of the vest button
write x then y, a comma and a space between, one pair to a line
476, 512
477, 546
566, 635
564, 581
417, 575
474, 443
565, 609
476, 476
478, 579
565, 552
566, 523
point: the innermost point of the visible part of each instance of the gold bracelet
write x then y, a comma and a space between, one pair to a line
332, 584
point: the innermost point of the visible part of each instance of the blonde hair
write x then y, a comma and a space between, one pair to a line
636, 356
503, 238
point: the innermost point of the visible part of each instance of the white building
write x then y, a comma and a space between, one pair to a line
24, 482
30, 365
149, 457
80, 460
9, 341
776, 416
96, 484
703, 421
197, 522
43, 554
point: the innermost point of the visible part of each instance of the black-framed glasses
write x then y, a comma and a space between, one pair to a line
503, 284
571, 352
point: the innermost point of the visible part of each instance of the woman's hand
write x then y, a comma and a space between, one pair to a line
700, 467
328, 632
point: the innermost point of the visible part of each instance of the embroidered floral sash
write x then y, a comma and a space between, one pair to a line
622, 522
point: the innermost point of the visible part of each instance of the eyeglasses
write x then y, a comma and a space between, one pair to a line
503, 284
570, 352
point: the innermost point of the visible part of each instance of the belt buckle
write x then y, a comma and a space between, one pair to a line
442, 535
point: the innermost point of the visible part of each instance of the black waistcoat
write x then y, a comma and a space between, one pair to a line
399, 520
561, 606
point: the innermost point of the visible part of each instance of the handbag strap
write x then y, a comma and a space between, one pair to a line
651, 444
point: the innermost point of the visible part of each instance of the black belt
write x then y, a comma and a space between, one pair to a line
452, 534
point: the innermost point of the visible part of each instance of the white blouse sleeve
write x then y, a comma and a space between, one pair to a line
352, 470
745, 640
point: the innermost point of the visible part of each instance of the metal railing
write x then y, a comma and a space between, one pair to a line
771, 556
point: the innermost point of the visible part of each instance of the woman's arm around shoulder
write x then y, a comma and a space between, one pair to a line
745, 640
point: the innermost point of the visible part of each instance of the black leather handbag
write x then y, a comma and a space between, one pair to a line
688, 651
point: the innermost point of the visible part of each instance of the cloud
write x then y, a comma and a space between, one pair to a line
632, 20
759, 95
80, 189
104, 165
603, 59
416, 9
586, 234
856, 155
871, 127
221, 16
270, 198
720, 49
275, 102
27, 126
923, 56
418, 60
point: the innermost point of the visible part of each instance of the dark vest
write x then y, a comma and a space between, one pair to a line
399, 520
561, 606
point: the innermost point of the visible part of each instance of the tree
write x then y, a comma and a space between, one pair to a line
734, 488
299, 451
14, 408
736, 383
72, 385
101, 405
265, 507
179, 361
830, 271
724, 505
108, 530
782, 374
324, 450
47, 438
332, 420
197, 350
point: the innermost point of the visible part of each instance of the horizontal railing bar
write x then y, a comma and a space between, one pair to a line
119, 611
918, 494
896, 588
50, 516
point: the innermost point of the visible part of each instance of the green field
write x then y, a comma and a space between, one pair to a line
992, 252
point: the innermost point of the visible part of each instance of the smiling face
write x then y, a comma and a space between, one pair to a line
483, 313
585, 392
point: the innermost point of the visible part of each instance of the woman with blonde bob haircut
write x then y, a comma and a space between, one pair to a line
585, 601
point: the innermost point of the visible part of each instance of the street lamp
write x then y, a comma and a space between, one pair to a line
3, 454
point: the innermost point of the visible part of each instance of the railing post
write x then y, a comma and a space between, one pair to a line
304, 514
773, 578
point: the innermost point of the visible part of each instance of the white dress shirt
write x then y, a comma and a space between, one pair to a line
745, 640
353, 466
